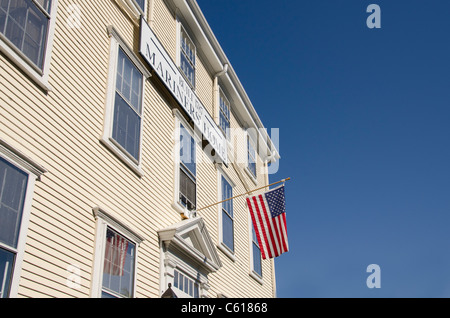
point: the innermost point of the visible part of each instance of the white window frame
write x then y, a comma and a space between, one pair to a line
181, 27
179, 120
220, 245
34, 171
104, 220
117, 43
39, 76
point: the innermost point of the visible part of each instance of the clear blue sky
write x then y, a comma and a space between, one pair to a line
364, 126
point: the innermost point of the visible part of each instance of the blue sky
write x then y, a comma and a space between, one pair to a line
364, 135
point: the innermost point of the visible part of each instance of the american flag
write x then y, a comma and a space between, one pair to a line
268, 212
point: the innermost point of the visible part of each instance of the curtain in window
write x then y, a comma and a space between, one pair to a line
118, 266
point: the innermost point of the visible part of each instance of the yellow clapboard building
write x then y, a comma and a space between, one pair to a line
121, 123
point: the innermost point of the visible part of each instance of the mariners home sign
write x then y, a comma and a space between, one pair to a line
156, 56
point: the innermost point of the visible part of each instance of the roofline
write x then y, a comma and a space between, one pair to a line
218, 61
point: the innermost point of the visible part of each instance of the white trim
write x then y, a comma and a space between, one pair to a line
40, 77
104, 220
132, 9
34, 171
106, 139
178, 252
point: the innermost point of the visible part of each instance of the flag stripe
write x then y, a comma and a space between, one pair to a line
285, 240
277, 230
256, 227
263, 228
268, 218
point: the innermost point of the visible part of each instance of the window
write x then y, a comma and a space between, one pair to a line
118, 266
18, 175
128, 106
115, 263
24, 23
224, 116
13, 185
251, 156
188, 178
26, 35
124, 106
227, 215
187, 56
186, 285
256, 251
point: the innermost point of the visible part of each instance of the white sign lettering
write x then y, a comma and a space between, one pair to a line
156, 56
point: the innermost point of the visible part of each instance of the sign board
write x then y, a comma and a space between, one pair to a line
156, 56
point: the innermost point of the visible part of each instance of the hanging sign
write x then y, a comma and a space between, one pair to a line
156, 56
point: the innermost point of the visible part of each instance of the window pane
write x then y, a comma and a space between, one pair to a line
126, 127
187, 190
257, 259
224, 124
3, 11
6, 269
251, 155
129, 82
187, 150
118, 266
227, 192
175, 279
141, 3
196, 293
13, 184
25, 25
227, 230
187, 69
46, 4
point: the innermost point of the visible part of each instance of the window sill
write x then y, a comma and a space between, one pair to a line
256, 277
185, 213
227, 251
19, 61
119, 154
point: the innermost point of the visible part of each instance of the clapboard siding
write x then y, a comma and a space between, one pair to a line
62, 130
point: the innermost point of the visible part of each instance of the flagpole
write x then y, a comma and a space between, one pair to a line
240, 195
